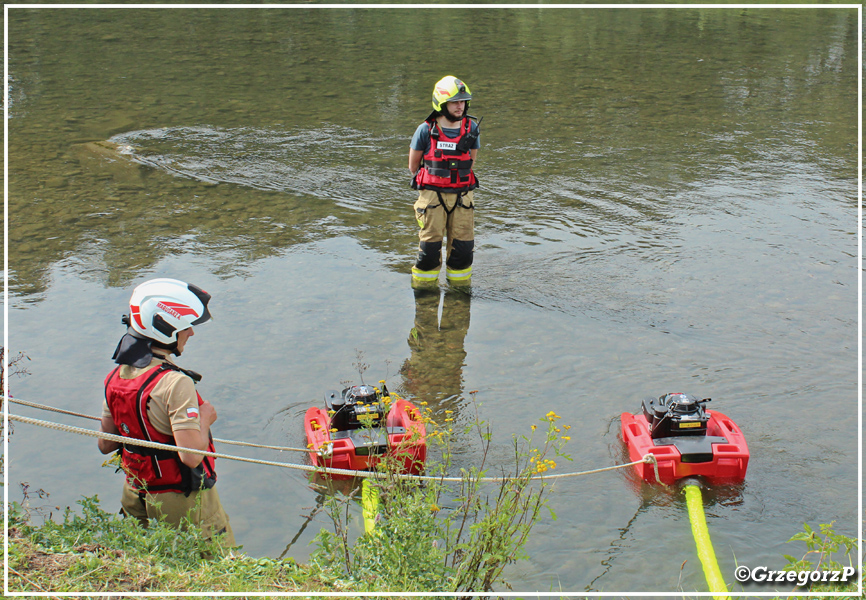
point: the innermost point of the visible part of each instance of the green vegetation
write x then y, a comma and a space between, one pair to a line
821, 549
98, 552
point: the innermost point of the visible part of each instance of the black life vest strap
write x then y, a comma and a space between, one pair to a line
459, 202
449, 167
157, 453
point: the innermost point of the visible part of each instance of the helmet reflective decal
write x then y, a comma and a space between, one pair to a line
176, 309
136, 314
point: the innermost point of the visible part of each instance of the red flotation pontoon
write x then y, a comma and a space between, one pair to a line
686, 439
359, 425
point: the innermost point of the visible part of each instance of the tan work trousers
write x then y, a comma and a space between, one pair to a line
440, 216
208, 513
438, 222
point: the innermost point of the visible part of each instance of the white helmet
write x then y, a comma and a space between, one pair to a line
159, 308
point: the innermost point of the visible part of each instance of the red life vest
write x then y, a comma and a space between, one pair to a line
444, 167
155, 471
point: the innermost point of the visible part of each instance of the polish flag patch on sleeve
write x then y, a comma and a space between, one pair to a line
192, 413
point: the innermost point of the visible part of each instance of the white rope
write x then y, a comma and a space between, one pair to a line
649, 458
52, 409
92, 418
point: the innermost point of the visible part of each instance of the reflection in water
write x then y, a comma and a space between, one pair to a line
320, 502
618, 546
434, 371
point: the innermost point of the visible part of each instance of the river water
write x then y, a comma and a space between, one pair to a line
669, 202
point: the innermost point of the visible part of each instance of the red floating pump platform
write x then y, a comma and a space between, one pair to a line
362, 423
687, 440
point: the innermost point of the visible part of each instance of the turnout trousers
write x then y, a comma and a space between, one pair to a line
203, 507
441, 216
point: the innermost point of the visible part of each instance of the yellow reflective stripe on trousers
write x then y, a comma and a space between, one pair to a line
425, 275
459, 275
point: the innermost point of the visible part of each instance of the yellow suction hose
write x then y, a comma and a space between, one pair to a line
695, 504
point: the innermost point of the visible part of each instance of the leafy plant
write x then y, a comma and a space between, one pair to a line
822, 547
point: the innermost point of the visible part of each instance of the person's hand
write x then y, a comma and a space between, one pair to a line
207, 414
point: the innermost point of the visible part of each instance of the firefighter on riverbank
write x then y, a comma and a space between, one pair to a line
441, 155
148, 397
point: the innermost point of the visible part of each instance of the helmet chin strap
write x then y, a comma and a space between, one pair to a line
451, 118
172, 348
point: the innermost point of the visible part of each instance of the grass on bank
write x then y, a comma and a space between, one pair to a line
101, 552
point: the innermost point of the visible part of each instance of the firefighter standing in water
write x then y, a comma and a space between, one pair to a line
441, 155
148, 397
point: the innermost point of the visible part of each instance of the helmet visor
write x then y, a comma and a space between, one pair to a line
464, 95
204, 297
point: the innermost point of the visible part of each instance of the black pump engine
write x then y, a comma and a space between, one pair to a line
676, 414
356, 407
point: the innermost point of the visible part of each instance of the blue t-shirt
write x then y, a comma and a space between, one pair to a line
421, 139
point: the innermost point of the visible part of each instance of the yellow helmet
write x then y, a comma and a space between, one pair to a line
449, 89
